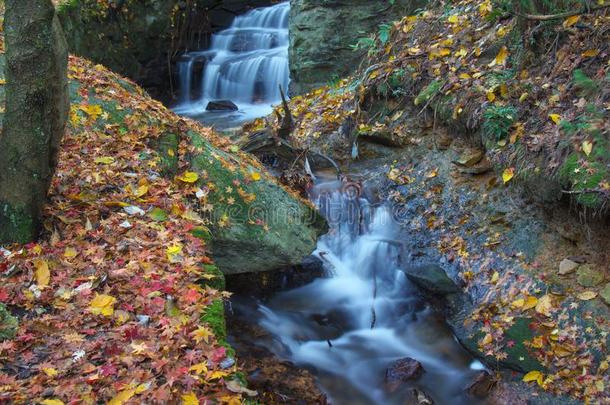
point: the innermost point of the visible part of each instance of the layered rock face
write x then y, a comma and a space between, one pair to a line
322, 32
141, 38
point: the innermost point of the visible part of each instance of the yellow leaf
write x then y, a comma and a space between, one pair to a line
487, 339
218, 374
495, 277
454, 19
556, 118
190, 399
49, 371
491, 96
587, 295
587, 147
591, 53
188, 177
94, 111
42, 273
199, 368
173, 252
508, 174
530, 302
141, 191
102, 304
52, 402
534, 376
504, 90
106, 160
523, 97
500, 58
518, 303
122, 397
568, 22
70, 253
544, 305
201, 333
255, 176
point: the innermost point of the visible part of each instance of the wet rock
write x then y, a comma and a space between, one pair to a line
605, 294
418, 397
221, 105
470, 158
402, 371
567, 266
587, 276
432, 279
480, 386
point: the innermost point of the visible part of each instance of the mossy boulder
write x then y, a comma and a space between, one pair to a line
432, 279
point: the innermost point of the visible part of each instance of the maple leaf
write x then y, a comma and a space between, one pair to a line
42, 273
189, 399
102, 305
201, 333
139, 348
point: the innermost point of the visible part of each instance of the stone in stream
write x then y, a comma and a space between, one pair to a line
567, 266
431, 278
221, 105
480, 386
402, 371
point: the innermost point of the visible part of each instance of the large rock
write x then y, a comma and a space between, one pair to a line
432, 279
402, 371
322, 32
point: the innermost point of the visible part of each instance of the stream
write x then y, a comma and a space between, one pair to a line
350, 325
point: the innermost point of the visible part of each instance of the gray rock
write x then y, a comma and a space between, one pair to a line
480, 386
221, 105
432, 279
402, 371
567, 266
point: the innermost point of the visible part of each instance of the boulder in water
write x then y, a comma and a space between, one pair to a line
480, 386
402, 371
432, 279
221, 105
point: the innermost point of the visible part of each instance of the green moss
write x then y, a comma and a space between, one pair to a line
17, 225
214, 277
8, 324
214, 317
429, 92
167, 148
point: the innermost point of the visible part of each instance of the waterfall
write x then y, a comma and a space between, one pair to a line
348, 326
246, 64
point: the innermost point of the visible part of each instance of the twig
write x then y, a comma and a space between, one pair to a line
587, 191
560, 16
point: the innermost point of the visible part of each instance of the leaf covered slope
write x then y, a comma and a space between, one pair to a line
110, 300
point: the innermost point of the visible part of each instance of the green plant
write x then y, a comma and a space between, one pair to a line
498, 120
584, 85
429, 92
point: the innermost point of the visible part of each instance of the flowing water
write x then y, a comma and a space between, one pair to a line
349, 326
246, 64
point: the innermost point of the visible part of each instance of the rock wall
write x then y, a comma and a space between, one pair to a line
322, 32
141, 38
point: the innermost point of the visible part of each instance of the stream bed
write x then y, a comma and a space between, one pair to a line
350, 325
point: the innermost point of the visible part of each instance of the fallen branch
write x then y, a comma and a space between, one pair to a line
287, 123
587, 191
561, 16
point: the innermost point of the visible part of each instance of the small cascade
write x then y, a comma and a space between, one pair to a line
246, 64
349, 326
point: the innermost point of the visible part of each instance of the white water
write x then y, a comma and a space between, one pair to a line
245, 64
349, 326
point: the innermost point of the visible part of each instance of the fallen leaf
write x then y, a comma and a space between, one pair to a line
570, 21
106, 160
545, 305
52, 402
534, 376
587, 147
190, 399
188, 177
49, 371
102, 304
556, 118
508, 174
587, 295
43, 275
255, 176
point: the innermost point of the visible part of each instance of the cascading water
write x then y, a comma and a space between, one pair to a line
246, 64
351, 325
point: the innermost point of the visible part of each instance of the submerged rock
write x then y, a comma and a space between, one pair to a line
432, 279
402, 371
221, 105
